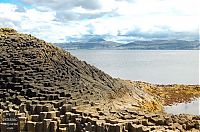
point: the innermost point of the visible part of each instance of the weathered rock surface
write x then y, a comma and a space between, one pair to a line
75, 120
46, 89
172, 93
31, 69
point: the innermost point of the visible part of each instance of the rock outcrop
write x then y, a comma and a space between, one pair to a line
172, 93
46, 89
37, 70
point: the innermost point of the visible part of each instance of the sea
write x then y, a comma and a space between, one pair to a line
153, 66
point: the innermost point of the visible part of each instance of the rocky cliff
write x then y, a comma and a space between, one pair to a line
34, 69
46, 89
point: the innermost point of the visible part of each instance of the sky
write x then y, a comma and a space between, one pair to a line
113, 20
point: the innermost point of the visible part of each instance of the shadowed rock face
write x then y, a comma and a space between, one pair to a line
34, 68
31, 69
40, 85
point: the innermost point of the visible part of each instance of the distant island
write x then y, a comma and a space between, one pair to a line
100, 44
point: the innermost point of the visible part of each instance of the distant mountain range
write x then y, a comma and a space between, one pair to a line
99, 43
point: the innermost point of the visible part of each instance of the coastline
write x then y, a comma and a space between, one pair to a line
145, 120
171, 94
45, 88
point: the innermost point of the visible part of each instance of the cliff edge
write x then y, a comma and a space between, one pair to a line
44, 88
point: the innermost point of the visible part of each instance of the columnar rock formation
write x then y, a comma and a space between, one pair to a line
47, 118
36, 70
46, 89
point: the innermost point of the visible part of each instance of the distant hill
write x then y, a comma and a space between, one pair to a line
136, 45
89, 45
161, 45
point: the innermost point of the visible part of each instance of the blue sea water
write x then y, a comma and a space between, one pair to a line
154, 66
192, 107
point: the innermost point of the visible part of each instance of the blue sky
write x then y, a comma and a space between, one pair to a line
16, 2
9, 1
115, 20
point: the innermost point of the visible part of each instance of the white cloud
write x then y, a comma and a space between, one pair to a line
55, 20
7, 11
34, 15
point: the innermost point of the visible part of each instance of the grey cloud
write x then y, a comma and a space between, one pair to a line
97, 15
63, 16
165, 33
20, 9
71, 16
89, 4
65, 4
63, 8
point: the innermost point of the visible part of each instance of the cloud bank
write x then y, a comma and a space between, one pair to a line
58, 21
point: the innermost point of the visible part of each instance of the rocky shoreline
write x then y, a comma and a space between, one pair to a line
46, 89
171, 94
53, 117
